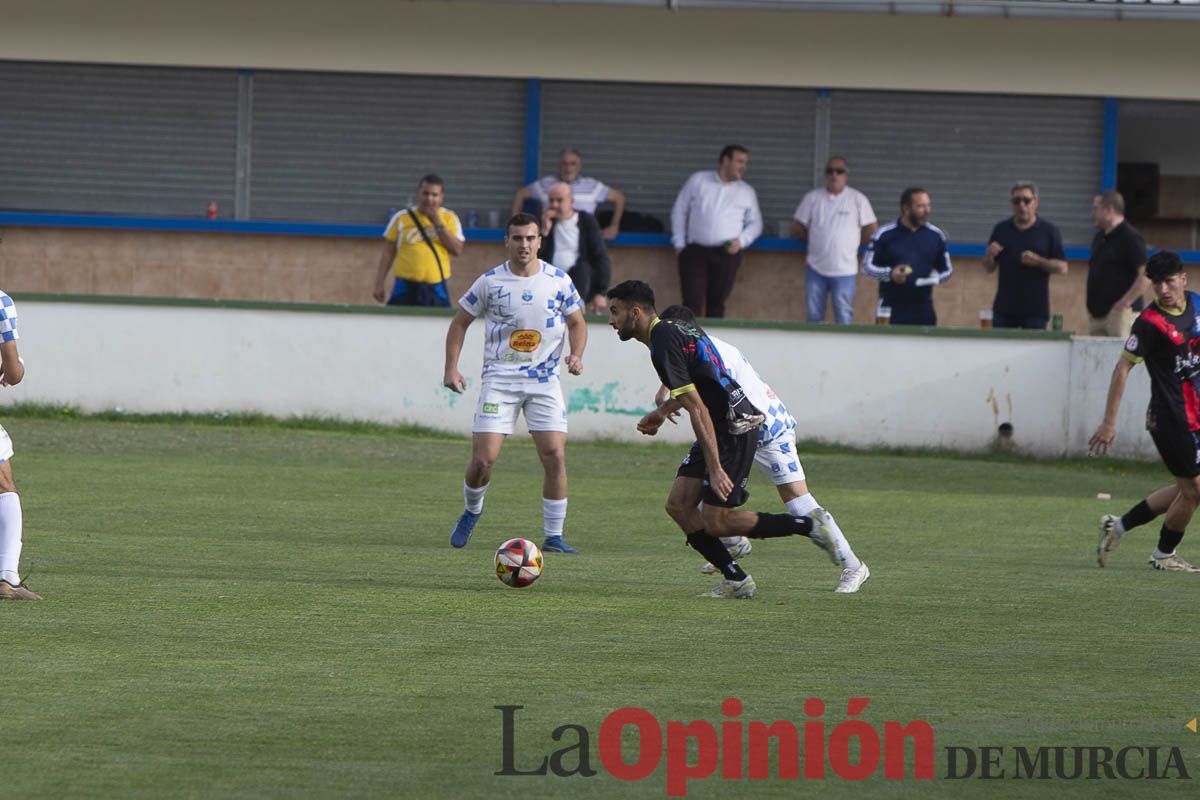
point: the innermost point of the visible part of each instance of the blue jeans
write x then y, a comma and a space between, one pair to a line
817, 286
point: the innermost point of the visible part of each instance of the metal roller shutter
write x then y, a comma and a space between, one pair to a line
347, 148
646, 139
112, 139
967, 150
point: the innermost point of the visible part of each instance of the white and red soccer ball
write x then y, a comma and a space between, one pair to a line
518, 563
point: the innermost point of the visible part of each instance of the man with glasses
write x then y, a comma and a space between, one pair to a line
835, 221
587, 192
1027, 250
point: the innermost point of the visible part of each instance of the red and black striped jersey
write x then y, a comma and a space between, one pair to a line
1170, 346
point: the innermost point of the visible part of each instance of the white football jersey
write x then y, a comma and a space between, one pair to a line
760, 394
525, 321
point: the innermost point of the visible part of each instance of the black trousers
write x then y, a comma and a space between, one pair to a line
706, 276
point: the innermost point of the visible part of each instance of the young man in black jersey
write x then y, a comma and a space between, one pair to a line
1166, 336
726, 426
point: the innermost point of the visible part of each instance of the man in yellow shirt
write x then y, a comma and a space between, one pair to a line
417, 248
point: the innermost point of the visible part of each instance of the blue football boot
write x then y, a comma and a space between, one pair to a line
555, 544
463, 529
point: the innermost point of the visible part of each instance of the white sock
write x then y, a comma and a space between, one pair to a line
10, 537
554, 514
804, 505
1157, 553
473, 498
1119, 528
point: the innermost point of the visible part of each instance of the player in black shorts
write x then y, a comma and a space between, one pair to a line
1166, 336
726, 426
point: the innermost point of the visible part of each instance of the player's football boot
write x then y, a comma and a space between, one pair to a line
739, 550
18, 591
732, 590
463, 529
555, 544
822, 535
1109, 539
853, 579
1172, 563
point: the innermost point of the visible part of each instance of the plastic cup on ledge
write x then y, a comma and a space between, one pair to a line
985, 318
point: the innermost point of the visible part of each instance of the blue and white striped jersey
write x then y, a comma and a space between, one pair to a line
525, 321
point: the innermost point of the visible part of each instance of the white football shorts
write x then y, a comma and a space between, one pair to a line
498, 407
6, 448
777, 459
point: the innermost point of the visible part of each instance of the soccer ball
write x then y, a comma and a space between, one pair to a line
518, 563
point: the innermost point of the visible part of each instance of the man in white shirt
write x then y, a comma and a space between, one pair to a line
835, 221
588, 192
529, 308
715, 217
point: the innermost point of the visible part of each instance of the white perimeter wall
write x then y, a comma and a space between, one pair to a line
850, 388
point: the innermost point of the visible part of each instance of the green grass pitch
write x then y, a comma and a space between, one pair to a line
264, 612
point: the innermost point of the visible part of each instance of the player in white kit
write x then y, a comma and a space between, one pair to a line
776, 458
12, 370
529, 308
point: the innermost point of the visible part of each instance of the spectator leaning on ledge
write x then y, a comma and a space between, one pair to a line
908, 257
715, 217
835, 221
571, 241
1116, 269
419, 244
588, 192
1028, 250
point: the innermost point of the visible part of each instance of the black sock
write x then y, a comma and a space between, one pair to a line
1138, 515
1168, 539
715, 553
772, 525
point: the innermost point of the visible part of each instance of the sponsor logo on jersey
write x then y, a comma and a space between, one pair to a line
524, 341
1131, 343
491, 408
527, 296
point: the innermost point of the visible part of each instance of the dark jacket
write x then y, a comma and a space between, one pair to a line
592, 270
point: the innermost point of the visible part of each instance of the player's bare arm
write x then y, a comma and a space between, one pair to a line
702, 426
385, 266
1104, 435
11, 366
457, 333
577, 340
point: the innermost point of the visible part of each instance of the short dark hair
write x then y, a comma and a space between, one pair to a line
730, 149
521, 220
1112, 199
635, 293
842, 159
907, 196
433, 179
1163, 265
681, 313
